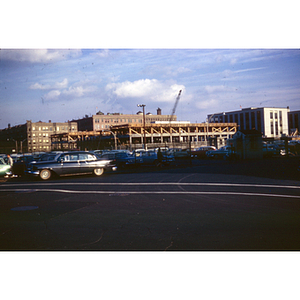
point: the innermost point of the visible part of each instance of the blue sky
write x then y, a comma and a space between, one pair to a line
61, 85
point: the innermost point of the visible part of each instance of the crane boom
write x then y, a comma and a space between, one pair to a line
174, 108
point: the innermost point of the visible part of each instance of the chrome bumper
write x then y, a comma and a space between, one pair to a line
34, 173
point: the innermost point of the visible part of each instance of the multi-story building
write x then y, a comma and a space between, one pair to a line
294, 122
102, 122
272, 122
32, 136
39, 134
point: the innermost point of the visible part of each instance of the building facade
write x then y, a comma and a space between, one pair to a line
174, 134
272, 122
102, 122
39, 134
32, 136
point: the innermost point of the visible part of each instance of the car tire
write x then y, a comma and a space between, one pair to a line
45, 174
98, 171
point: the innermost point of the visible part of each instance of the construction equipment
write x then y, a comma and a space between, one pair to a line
174, 108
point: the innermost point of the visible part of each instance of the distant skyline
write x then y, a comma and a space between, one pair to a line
62, 85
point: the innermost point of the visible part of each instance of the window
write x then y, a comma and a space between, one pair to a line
271, 115
242, 121
272, 128
258, 118
83, 156
253, 120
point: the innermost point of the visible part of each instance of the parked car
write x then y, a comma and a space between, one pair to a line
122, 159
21, 164
201, 151
70, 163
224, 152
180, 153
5, 169
47, 156
150, 157
270, 150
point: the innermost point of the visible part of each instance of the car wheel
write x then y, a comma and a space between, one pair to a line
98, 171
45, 174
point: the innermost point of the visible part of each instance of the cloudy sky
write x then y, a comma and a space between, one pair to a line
61, 85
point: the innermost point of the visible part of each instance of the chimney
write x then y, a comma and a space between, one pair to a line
158, 111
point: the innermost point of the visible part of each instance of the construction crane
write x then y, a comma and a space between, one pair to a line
174, 108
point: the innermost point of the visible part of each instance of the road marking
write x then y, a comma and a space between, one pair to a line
157, 183
153, 192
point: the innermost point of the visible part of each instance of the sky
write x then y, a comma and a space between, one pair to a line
66, 84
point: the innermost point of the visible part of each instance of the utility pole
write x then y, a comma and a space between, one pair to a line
144, 121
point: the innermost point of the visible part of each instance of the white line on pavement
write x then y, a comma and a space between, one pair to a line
148, 192
156, 183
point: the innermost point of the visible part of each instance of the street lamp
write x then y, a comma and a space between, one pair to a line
115, 138
143, 106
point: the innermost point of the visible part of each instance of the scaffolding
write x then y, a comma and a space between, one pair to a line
130, 136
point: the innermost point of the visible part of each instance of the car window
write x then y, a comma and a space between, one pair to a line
83, 156
70, 157
90, 157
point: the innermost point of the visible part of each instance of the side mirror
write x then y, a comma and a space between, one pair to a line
61, 159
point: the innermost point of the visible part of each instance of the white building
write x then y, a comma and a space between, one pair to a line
272, 122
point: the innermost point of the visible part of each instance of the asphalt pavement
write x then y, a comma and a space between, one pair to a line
206, 205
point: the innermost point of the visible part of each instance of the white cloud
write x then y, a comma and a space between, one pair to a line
151, 89
218, 88
212, 103
38, 86
37, 55
57, 85
103, 53
77, 91
52, 95
61, 85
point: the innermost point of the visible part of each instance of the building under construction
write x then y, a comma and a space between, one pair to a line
150, 135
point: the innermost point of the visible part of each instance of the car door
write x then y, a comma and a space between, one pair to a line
70, 164
87, 162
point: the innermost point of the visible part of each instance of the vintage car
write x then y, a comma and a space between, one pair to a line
150, 157
180, 153
201, 151
21, 164
70, 163
225, 152
5, 169
122, 159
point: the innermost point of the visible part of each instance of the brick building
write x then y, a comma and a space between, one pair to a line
32, 136
102, 122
